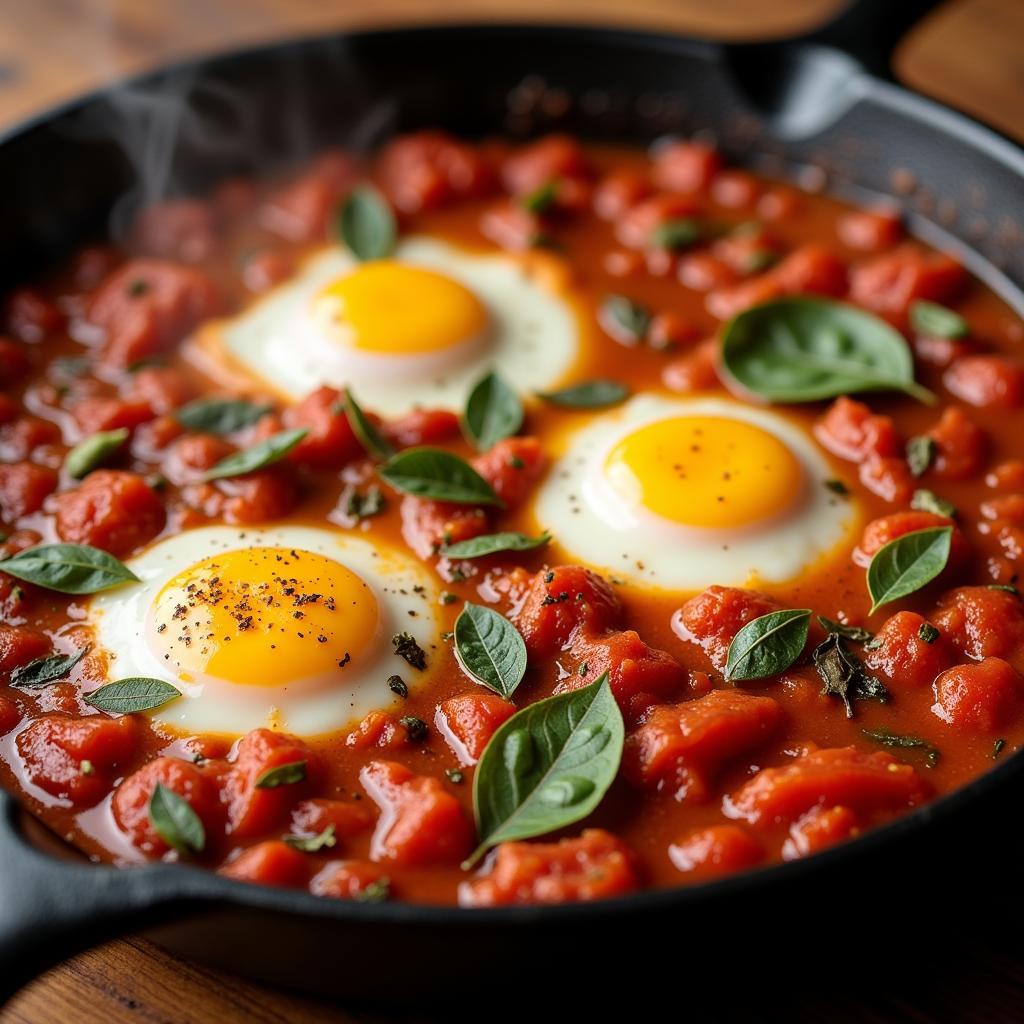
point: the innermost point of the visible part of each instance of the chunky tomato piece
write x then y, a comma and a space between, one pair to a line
421, 823
536, 164
271, 862
866, 783
870, 230
23, 488
196, 787
10, 715
961, 445
987, 381
617, 191
378, 729
982, 698
112, 510
594, 866
303, 209
330, 443
429, 170
253, 810
267, 268
512, 467
716, 851
259, 497
148, 306
735, 190
704, 273
21, 437
907, 652
162, 388
77, 759
696, 371
177, 229
983, 622
470, 720
850, 430
32, 317
347, 817
685, 166
422, 426
561, 601
725, 303
889, 478
811, 268
819, 829
349, 880
681, 747
889, 283
428, 525
886, 529
93, 414
637, 226
14, 362
669, 330
714, 617
509, 224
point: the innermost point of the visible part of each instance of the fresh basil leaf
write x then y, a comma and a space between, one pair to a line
928, 501
843, 675
282, 775
594, 394
489, 649
838, 487
493, 412
625, 320
313, 844
892, 739
907, 563
676, 234
805, 349
937, 321
128, 696
490, 543
175, 822
768, 645
921, 452
68, 568
856, 633
221, 415
259, 456
367, 434
437, 474
367, 225
541, 199
93, 452
43, 671
548, 766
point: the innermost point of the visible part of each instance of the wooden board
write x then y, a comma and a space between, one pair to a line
970, 53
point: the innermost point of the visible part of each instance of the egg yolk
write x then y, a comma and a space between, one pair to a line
264, 616
394, 309
705, 471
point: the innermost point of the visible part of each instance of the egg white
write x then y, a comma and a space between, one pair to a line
594, 525
401, 585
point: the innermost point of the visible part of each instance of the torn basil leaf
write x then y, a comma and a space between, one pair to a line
43, 671
374, 443
843, 675
437, 474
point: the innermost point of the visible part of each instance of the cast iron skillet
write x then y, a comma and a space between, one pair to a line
824, 101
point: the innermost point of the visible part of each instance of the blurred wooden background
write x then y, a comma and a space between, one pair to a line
969, 53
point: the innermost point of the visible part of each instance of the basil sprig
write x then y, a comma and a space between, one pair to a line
493, 412
907, 563
489, 649
439, 475
68, 568
593, 394
131, 695
262, 454
768, 645
367, 225
548, 766
374, 443
937, 321
221, 415
805, 349
43, 671
93, 452
491, 543
175, 822
282, 775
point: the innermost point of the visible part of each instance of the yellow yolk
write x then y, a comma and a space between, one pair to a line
394, 309
705, 471
263, 616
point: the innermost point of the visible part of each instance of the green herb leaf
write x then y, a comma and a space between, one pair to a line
676, 234
409, 650
805, 349
489, 649
937, 321
128, 696
493, 412
490, 543
175, 822
843, 675
366, 224
907, 563
594, 394
43, 671
313, 844
892, 739
838, 487
856, 633
397, 685
921, 452
68, 568
929, 501
417, 728
541, 199
548, 766
93, 452
997, 747
221, 415
375, 444
259, 456
282, 775
928, 633
363, 506
378, 891
627, 321
437, 474
768, 645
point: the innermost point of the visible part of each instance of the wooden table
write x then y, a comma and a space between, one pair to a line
970, 53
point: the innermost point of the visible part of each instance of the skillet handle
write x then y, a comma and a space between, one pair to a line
51, 909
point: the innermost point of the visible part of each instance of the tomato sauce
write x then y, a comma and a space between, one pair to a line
715, 777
